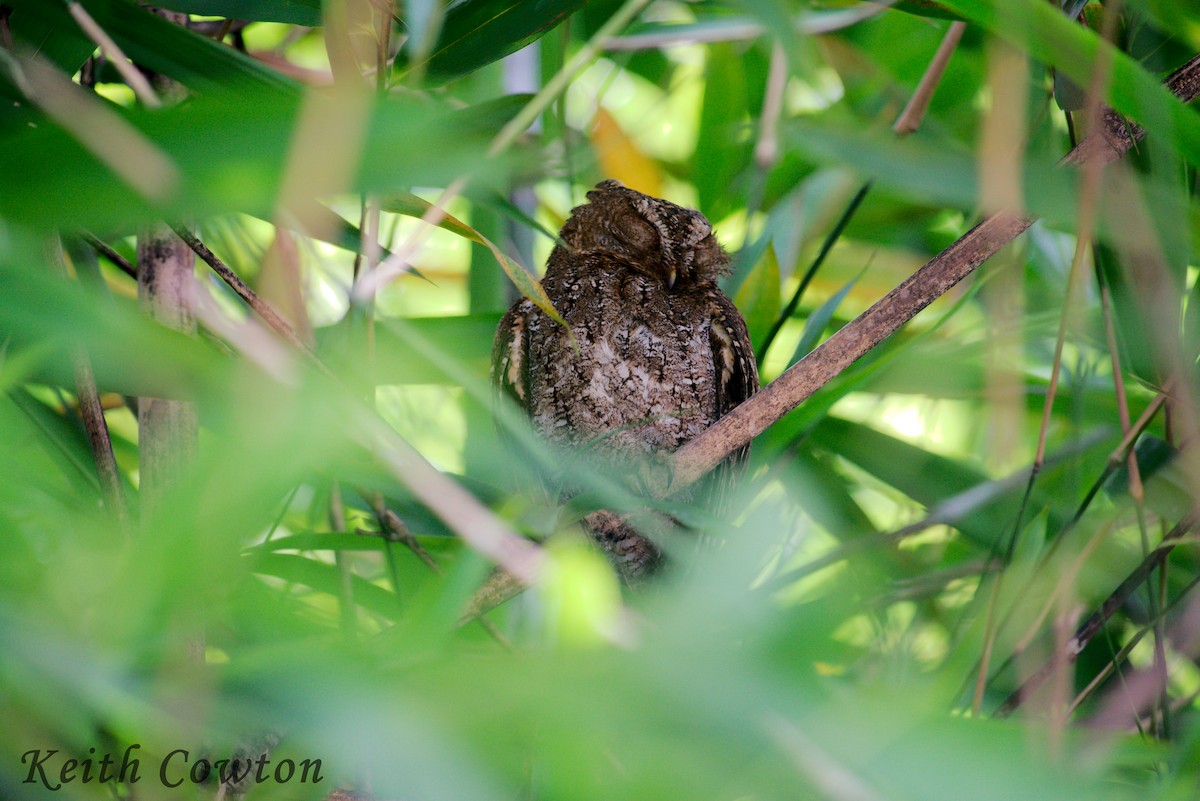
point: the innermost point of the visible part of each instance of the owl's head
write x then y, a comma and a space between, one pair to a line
653, 236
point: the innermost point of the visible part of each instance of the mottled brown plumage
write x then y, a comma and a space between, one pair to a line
661, 352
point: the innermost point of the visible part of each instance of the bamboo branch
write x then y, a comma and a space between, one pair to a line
736, 429
263, 309
105, 250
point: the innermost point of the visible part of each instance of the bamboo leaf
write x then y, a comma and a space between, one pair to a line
478, 32
818, 321
412, 206
297, 12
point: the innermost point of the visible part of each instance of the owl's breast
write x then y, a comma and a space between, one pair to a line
642, 378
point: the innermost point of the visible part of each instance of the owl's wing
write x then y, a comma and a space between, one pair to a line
511, 378
510, 351
735, 377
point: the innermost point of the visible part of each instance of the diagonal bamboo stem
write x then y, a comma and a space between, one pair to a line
736, 429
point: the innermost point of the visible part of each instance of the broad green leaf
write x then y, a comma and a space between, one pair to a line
157, 44
478, 32
927, 169
230, 149
924, 476
323, 577
297, 12
58, 315
48, 441
412, 206
45, 29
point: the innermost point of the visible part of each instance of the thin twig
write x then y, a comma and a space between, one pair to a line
263, 309
914, 112
103, 248
1089, 198
1136, 491
396, 531
337, 522
1114, 664
766, 150
136, 80
1113, 461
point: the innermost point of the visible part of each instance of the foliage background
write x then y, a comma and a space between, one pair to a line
829, 644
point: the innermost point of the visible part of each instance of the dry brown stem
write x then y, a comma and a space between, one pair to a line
910, 119
736, 429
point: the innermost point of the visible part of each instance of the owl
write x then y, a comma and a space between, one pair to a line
655, 354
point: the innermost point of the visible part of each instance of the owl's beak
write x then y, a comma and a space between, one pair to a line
671, 278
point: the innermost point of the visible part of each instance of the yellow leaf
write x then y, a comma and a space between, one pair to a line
620, 158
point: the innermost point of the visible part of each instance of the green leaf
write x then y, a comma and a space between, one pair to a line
928, 169
924, 476
818, 321
46, 28
231, 149
157, 44
58, 315
723, 118
297, 12
478, 32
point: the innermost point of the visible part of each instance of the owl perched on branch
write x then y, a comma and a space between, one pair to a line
658, 352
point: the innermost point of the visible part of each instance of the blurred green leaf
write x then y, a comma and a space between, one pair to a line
724, 117
323, 577
231, 148
924, 476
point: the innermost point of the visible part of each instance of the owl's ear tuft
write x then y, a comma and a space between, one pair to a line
607, 185
711, 261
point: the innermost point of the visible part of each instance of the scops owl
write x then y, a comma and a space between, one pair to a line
659, 352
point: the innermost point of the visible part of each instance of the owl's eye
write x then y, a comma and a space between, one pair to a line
638, 234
